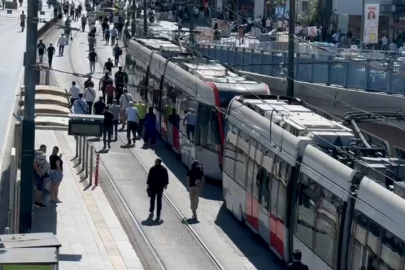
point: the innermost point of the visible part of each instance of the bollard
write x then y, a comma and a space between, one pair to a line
79, 138
7, 230
97, 167
86, 170
91, 165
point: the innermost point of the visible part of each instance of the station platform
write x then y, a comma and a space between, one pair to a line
217, 241
85, 224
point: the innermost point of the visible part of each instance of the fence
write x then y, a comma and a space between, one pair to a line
367, 74
13, 14
88, 159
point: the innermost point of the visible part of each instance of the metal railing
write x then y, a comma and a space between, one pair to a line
15, 14
88, 160
366, 74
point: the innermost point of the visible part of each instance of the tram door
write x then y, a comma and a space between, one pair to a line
252, 190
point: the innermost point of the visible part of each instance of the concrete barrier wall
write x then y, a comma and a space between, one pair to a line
334, 100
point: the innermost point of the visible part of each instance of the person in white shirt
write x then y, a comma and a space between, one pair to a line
89, 97
384, 42
62, 41
191, 119
74, 93
124, 102
80, 106
393, 47
133, 118
402, 49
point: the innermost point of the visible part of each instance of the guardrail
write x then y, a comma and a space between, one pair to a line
368, 74
88, 160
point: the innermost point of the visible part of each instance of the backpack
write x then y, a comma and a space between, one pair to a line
198, 172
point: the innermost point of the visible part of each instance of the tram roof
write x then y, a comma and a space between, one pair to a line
203, 67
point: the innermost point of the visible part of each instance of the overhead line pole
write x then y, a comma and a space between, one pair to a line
145, 18
28, 123
291, 44
191, 15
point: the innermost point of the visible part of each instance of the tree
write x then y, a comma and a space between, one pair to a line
319, 12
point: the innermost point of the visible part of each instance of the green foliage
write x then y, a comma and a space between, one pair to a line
312, 15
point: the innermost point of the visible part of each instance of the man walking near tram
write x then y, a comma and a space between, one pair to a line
121, 78
41, 50
297, 264
51, 52
23, 17
141, 107
61, 43
158, 180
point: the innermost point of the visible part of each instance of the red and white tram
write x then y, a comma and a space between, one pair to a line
283, 176
176, 80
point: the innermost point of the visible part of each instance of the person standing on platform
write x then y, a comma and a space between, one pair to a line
110, 91
55, 174
74, 92
141, 107
297, 264
108, 66
41, 50
150, 127
158, 180
92, 60
107, 126
115, 110
117, 51
89, 97
104, 82
99, 106
190, 118
51, 52
195, 182
80, 106
62, 41
89, 83
133, 119
126, 100
121, 79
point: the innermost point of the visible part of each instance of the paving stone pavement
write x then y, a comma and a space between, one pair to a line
85, 224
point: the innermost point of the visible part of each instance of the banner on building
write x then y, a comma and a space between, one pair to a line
371, 15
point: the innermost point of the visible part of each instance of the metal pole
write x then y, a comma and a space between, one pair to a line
290, 66
133, 18
145, 18
191, 15
363, 9
28, 123
86, 171
91, 165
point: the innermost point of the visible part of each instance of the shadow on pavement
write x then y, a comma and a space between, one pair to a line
250, 244
45, 219
172, 161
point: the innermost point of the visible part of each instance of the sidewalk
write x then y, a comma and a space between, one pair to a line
89, 231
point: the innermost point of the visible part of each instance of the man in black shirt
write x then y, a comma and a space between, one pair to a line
121, 78
158, 179
195, 181
107, 126
297, 264
88, 83
51, 51
99, 106
104, 82
41, 50
108, 66
93, 60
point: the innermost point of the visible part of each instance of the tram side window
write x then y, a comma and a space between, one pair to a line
230, 150
208, 133
359, 242
129, 69
241, 158
391, 252
284, 176
167, 98
267, 169
306, 212
373, 247
275, 183
153, 85
252, 166
258, 174
327, 225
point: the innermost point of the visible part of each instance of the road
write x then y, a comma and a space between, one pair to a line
233, 245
